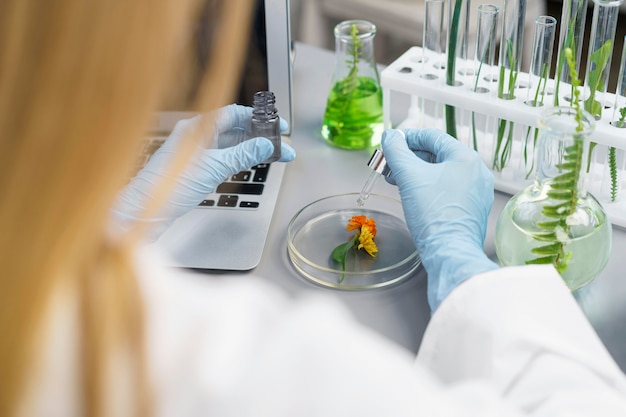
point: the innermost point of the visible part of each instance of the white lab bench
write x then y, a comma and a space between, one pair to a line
400, 312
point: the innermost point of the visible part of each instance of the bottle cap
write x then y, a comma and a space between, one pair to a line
379, 164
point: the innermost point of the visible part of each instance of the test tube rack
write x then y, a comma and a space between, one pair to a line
423, 81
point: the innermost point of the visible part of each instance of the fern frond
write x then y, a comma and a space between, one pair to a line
563, 189
613, 172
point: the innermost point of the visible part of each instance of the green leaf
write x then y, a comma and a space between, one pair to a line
599, 58
562, 185
552, 249
558, 211
560, 194
562, 264
551, 225
541, 261
340, 253
568, 165
566, 176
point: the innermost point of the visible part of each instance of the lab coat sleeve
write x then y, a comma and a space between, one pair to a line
520, 331
232, 346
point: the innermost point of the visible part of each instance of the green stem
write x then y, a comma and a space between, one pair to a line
502, 151
450, 111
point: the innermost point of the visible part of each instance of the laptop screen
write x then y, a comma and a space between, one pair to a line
267, 63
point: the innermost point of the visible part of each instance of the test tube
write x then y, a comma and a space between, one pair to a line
484, 60
540, 59
619, 108
573, 17
458, 37
616, 157
432, 47
601, 39
434, 60
511, 46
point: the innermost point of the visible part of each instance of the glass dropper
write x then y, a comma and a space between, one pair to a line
379, 166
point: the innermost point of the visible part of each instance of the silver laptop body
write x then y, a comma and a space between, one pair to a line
228, 232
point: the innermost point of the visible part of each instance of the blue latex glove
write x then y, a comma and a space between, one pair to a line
446, 192
207, 169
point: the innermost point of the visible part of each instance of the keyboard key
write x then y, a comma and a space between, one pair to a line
243, 176
207, 203
249, 204
260, 173
227, 201
239, 188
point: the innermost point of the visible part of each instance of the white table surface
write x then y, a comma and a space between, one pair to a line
400, 312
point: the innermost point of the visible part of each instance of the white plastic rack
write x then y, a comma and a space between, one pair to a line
424, 82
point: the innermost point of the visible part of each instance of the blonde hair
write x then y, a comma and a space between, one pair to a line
79, 81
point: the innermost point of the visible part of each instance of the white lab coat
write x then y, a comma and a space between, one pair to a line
510, 342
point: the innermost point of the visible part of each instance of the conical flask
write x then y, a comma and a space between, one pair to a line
354, 112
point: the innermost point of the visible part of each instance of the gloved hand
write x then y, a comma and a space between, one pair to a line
446, 192
207, 169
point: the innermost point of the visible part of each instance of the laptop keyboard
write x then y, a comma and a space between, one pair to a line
242, 190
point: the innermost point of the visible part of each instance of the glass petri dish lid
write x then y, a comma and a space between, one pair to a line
320, 227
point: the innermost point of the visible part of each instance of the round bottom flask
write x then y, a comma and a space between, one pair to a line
555, 220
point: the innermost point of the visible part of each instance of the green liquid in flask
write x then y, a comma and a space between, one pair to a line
354, 120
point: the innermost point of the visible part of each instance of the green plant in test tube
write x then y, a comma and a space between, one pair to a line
354, 118
575, 14
603, 27
510, 62
450, 111
541, 60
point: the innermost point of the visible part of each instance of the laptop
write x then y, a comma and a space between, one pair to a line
228, 230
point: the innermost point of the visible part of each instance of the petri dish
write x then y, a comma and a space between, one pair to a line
320, 226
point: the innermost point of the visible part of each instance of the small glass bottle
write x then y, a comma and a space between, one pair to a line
354, 111
266, 122
555, 220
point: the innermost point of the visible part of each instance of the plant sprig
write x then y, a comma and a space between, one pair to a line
355, 49
613, 158
564, 190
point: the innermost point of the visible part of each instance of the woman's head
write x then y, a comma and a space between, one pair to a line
79, 80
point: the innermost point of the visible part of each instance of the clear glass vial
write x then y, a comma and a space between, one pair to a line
555, 220
265, 121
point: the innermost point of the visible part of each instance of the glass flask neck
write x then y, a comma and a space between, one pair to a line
354, 49
563, 148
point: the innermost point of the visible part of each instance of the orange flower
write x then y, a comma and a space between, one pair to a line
366, 232
366, 241
358, 222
